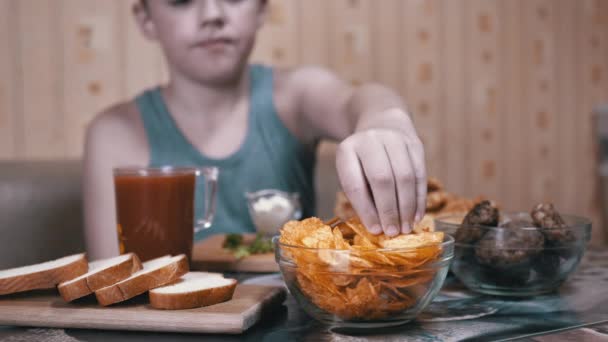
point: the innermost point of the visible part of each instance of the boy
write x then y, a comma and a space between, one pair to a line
259, 125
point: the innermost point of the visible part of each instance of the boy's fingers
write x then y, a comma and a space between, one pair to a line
405, 179
355, 187
416, 154
379, 174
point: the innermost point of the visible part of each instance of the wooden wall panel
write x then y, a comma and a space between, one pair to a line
454, 129
144, 63
484, 98
40, 51
423, 76
540, 100
513, 184
568, 94
313, 33
93, 64
387, 59
8, 80
350, 36
278, 40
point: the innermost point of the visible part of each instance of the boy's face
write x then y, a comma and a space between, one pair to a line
205, 40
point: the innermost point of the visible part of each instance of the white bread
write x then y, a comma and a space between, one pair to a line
155, 273
193, 290
45, 275
101, 273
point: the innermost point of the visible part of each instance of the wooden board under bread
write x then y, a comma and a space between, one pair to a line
209, 255
47, 309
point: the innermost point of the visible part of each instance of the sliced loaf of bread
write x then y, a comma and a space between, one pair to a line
45, 275
193, 290
101, 273
155, 273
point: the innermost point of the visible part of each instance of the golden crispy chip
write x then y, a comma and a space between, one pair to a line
356, 225
319, 238
363, 243
338, 260
426, 225
339, 241
357, 261
347, 232
371, 255
344, 280
293, 232
413, 240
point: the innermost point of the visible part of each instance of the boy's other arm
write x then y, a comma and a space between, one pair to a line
110, 142
380, 159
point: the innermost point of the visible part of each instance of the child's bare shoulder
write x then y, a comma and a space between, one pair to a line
302, 77
118, 125
122, 115
291, 83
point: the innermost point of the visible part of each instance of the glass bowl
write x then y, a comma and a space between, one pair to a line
515, 258
348, 288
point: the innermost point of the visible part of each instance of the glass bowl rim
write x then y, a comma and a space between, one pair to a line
581, 223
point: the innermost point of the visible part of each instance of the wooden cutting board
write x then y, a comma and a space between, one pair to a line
47, 309
209, 255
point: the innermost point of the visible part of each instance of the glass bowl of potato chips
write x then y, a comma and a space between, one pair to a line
344, 276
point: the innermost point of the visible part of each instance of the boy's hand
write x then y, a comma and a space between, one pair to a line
383, 174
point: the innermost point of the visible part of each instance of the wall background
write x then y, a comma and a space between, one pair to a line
502, 91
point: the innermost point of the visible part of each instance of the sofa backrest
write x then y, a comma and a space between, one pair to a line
40, 211
41, 207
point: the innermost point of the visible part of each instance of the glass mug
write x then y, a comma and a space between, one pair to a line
155, 208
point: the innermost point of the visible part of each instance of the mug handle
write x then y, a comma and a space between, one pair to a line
209, 175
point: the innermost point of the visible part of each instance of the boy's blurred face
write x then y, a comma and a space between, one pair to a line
205, 40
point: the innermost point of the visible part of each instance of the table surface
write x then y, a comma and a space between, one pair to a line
582, 301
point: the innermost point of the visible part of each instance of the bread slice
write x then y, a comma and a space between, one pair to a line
101, 273
155, 273
45, 275
193, 290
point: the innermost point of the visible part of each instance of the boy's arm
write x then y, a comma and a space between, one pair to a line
380, 160
109, 143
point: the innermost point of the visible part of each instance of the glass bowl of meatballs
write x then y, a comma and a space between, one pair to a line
515, 254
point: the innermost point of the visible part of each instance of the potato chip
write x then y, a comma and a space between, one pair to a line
293, 232
413, 240
356, 225
426, 225
319, 238
339, 241
347, 232
336, 259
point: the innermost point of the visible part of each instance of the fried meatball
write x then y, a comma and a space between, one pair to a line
553, 226
483, 214
505, 248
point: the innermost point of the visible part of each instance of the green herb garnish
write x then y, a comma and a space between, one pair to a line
235, 244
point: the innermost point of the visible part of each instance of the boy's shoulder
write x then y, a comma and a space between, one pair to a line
301, 77
123, 116
291, 84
